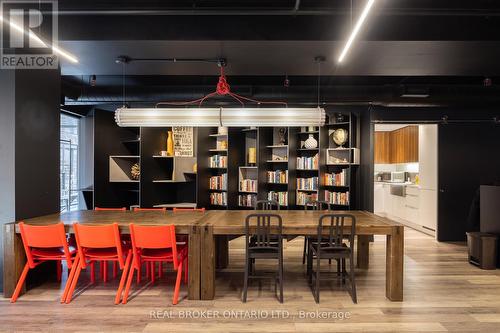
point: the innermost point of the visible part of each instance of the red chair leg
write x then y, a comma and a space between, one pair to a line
92, 272
177, 285
152, 271
70, 278
129, 282
20, 283
148, 270
59, 270
105, 274
124, 277
101, 269
74, 282
185, 270
138, 280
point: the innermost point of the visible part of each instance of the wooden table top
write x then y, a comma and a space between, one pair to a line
223, 222
298, 222
182, 220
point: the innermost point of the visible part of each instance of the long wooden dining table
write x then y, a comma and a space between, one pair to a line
208, 234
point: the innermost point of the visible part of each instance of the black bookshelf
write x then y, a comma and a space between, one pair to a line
171, 181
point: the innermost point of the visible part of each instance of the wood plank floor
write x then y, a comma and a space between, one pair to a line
443, 293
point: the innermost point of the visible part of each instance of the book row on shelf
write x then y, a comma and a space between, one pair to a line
307, 183
305, 198
278, 176
280, 197
218, 182
218, 199
308, 163
336, 179
218, 161
337, 198
248, 185
247, 200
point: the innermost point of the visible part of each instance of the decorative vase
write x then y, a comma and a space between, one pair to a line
170, 144
195, 167
252, 156
311, 142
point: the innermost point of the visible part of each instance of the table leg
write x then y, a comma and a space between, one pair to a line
395, 264
13, 259
194, 260
363, 255
207, 263
222, 251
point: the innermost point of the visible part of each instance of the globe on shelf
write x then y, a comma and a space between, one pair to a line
340, 136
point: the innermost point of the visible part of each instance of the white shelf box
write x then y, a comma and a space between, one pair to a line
120, 169
342, 156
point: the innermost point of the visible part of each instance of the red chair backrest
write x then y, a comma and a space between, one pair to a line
98, 237
137, 209
122, 209
201, 210
47, 236
154, 237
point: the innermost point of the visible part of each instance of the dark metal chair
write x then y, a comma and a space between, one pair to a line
260, 232
332, 246
315, 205
267, 205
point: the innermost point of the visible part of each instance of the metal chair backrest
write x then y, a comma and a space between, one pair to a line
267, 205
260, 227
335, 224
318, 205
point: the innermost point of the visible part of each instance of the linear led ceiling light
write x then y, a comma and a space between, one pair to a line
34, 37
211, 117
355, 31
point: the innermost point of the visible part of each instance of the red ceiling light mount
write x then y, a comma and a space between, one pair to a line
222, 89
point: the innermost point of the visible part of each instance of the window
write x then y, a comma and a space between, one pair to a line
69, 163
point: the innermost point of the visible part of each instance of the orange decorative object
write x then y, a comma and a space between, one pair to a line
170, 144
41, 244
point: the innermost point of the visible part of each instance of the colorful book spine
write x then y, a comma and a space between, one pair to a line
218, 182
277, 177
337, 198
308, 183
247, 200
219, 199
280, 197
336, 179
218, 161
248, 185
304, 198
308, 163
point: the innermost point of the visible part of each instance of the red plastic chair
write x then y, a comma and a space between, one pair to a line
178, 210
104, 264
158, 209
122, 209
152, 244
41, 244
100, 243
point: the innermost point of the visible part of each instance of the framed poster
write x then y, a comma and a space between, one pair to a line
183, 141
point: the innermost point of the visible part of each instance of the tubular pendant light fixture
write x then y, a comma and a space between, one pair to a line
211, 117
355, 31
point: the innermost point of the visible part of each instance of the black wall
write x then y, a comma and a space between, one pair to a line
37, 142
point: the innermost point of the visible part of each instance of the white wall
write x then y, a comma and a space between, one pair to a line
7, 154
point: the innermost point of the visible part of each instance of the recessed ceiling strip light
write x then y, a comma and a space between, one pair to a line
211, 117
33, 36
355, 31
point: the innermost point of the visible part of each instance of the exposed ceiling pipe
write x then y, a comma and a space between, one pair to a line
297, 5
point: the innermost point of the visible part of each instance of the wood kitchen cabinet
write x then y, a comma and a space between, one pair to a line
399, 146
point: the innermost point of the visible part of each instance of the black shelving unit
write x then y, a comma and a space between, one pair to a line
306, 194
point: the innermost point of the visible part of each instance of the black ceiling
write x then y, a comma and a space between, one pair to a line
265, 40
